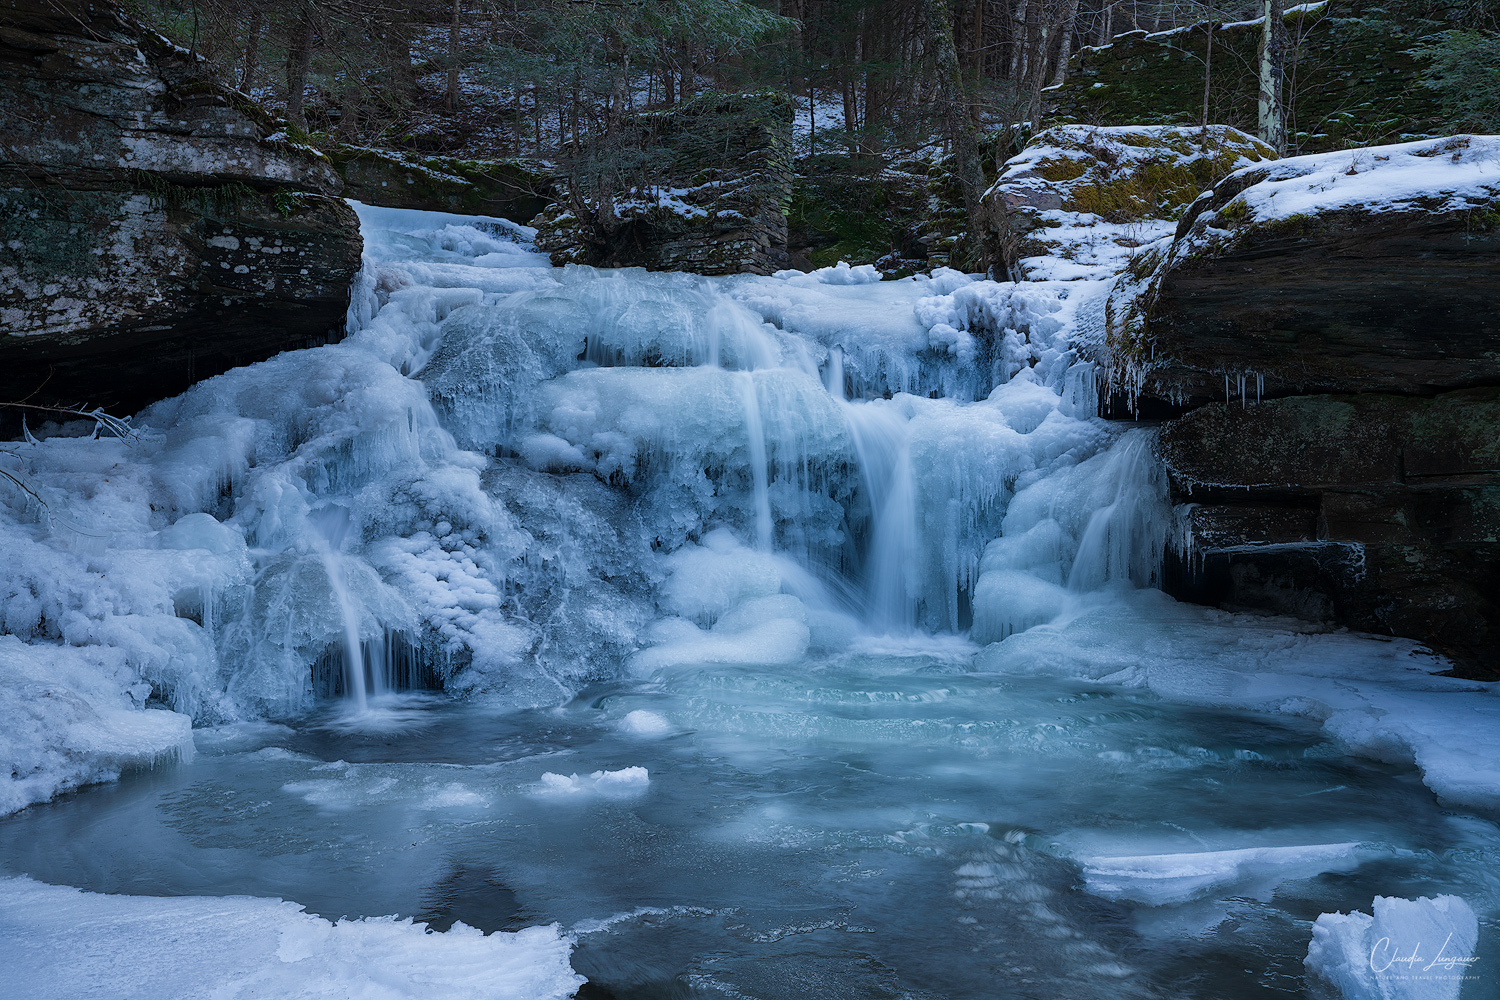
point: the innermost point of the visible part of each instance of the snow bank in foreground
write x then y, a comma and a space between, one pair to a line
60, 942
1411, 949
1377, 697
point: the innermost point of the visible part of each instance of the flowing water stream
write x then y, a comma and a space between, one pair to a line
806, 643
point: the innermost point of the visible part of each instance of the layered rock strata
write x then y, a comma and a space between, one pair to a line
156, 230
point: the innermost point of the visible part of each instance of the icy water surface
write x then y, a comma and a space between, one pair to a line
887, 823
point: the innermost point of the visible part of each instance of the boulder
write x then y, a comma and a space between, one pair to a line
721, 182
1374, 511
157, 229
1081, 201
1373, 270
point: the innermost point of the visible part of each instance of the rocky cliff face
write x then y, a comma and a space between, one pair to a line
1327, 328
156, 230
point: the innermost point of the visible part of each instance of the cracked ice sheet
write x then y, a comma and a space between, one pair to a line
1378, 697
61, 942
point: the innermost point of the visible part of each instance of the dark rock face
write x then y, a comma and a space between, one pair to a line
1375, 511
156, 231
1345, 301
506, 189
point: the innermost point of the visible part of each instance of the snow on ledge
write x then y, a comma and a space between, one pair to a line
1448, 174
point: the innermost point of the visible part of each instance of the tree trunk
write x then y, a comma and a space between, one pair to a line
1208, 67
252, 48
1272, 71
1065, 46
299, 62
1018, 43
962, 132
453, 43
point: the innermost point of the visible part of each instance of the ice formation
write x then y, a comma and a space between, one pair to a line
1410, 949
516, 478
237, 946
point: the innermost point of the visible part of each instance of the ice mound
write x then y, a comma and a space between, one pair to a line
1168, 879
72, 717
61, 943
643, 723
1410, 949
625, 783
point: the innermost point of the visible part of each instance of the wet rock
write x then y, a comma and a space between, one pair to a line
157, 230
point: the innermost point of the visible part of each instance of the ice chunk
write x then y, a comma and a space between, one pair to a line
1167, 879
643, 723
71, 717
627, 782
167, 948
1410, 949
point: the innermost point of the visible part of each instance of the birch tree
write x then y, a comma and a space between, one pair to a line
1272, 76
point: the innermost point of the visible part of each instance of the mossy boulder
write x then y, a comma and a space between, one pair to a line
1096, 196
720, 185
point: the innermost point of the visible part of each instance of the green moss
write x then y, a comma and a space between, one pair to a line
1061, 169
288, 202
216, 201
1235, 211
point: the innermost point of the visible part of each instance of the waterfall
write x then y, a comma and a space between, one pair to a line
759, 474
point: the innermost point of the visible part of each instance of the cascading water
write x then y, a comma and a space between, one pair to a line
333, 524
800, 638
